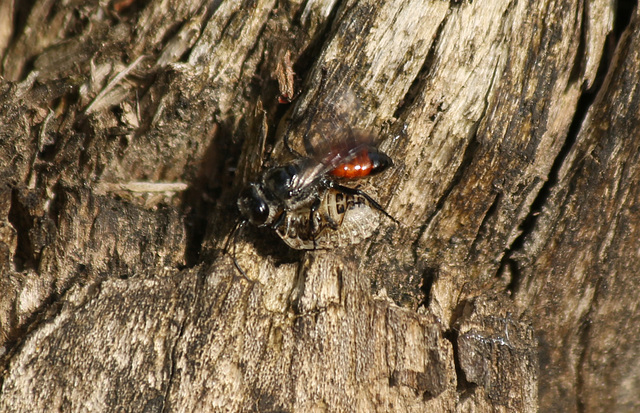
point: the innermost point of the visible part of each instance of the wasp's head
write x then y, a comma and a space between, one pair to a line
253, 205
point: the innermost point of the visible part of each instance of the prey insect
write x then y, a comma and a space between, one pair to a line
307, 205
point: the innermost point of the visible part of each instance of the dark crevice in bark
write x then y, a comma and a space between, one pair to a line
20, 17
622, 17
211, 9
429, 277
197, 207
579, 63
26, 69
307, 57
463, 386
126, 9
485, 227
195, 223
457, 3
585, 102
485, 224
514, 271
469, 152
208, 192
22, 222
170, 35
417, 86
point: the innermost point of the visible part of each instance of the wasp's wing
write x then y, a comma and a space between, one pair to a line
327, 135
336, 153
329, 122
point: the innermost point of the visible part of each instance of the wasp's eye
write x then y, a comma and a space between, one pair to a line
253, 206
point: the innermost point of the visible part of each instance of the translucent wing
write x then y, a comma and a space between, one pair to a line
325, 160
328, 138
328, 123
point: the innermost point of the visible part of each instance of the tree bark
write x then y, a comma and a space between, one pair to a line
509, 284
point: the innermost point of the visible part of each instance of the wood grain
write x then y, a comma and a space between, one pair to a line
509, 284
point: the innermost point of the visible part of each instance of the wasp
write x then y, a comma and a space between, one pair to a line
307, 205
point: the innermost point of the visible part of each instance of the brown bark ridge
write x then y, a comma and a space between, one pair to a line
128, 128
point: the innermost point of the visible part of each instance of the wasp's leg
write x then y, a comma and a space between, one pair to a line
356, 191
279, 221
332, 222
233, 236
312, 224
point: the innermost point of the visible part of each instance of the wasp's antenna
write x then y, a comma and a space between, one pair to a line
233, 236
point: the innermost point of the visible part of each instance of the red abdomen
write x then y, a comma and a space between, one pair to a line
367, 162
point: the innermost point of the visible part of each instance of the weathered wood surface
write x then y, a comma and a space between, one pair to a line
509, 286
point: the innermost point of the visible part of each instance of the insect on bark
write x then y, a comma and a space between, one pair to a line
306, 202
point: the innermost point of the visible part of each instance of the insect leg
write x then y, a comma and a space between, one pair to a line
356, 191
233, 236
279, 221
312, 210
